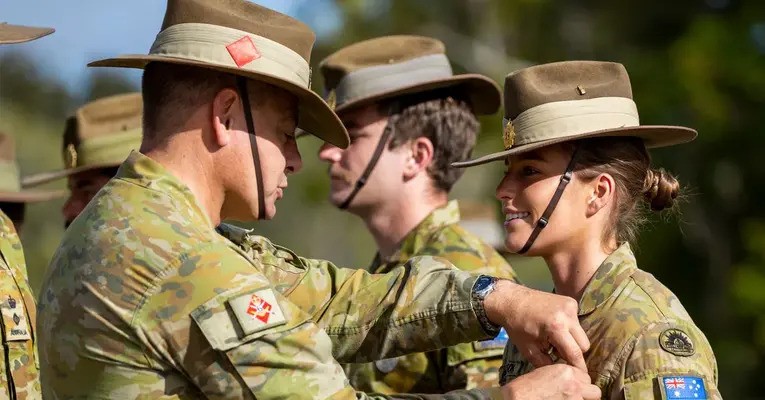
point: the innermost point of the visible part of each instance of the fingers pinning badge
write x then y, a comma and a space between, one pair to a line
552, 354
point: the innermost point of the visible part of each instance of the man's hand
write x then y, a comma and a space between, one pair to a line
535, 321
553, 382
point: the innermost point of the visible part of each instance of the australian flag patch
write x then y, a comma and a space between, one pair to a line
683, 387
498, 342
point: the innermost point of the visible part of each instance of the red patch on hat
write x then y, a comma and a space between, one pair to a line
259, 308
243, 51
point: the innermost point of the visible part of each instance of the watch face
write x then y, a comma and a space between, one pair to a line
483, 283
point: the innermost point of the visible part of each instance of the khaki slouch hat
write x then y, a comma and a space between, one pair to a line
10, 185
399, 65
101, 134
247, 40
565, 101
10, 34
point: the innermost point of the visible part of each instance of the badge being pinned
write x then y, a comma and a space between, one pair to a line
257, 311
243, 51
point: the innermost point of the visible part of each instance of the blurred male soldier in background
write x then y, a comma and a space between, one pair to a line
97, 139
145, 299
19, 368
408, 118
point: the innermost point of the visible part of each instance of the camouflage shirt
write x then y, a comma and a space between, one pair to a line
145, 300
467, 365
644, 344
20, 366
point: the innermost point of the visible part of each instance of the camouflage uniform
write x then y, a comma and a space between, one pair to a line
20, 367
644, 343
466, 365
145, 299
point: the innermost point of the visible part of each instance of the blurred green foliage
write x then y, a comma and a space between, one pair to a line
695, 63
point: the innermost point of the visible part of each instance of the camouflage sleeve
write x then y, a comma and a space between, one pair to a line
669, 360
478, 362
222, 325
420, 306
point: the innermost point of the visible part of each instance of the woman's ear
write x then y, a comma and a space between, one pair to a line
602, 190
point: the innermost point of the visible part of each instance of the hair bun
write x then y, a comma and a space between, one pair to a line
660, 189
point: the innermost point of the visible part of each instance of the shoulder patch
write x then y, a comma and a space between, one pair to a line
676, 342
257, 311
683, 387
498, 342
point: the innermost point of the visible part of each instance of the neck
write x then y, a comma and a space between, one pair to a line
573, 268
390, 223
179, 157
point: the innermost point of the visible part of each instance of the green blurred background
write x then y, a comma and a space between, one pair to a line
694, 63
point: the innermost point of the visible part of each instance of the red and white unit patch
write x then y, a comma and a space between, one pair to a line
256, 311
259, 308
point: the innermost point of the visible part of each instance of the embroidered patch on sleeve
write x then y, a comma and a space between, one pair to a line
683, 387
498, 342
257, 311
676, 342
243, 51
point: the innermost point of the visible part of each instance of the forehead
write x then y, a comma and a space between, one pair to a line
549, 153
358, 117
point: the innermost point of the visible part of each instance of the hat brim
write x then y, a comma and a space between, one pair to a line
484, 94
45, 177
315, 116
10, 34
31, 196
653, 135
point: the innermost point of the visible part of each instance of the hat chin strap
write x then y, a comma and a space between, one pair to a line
372, 161
545, 218
241, 83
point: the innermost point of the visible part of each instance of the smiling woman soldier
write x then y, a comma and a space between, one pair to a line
577, 165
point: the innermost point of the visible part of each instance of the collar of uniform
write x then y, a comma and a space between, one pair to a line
421, 235
614, 270
143, 171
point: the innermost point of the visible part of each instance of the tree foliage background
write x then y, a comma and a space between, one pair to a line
692, 62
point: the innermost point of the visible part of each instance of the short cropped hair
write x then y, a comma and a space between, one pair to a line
447, 120
172, 91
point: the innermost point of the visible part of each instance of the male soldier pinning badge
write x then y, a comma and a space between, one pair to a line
97, 139
19, 368
145, 299
408, 118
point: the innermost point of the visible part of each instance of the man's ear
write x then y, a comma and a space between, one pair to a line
225, 111
420, 156
603, 189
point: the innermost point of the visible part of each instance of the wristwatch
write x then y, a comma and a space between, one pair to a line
484, 285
